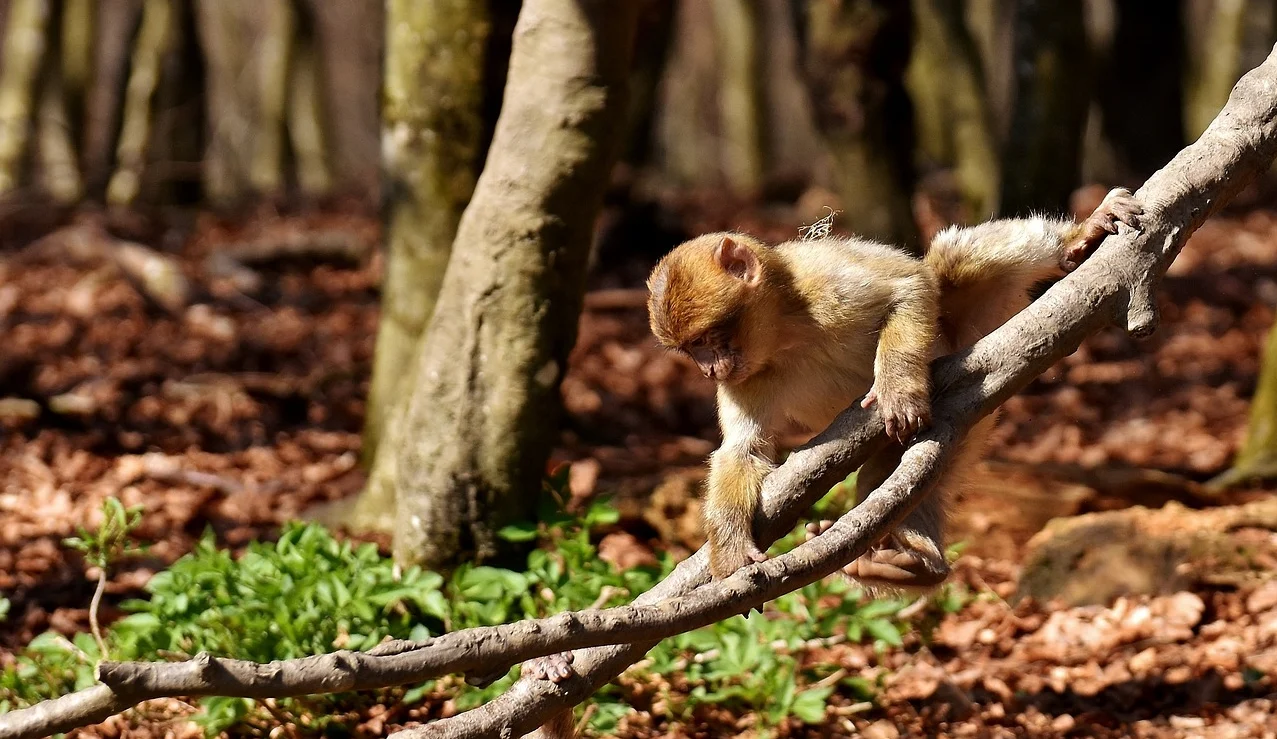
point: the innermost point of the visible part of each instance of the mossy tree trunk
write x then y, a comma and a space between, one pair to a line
1042, 157
483, 415
856, 53
432, 121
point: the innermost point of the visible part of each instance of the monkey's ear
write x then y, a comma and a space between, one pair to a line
737, 260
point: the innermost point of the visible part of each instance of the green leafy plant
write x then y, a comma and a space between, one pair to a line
104, 546
309, 593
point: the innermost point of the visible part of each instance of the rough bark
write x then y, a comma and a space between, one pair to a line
1042, 157
24, 49
1144, 123
855, 59
482, 418
956, 129
1116, 285
431, 124
740, 93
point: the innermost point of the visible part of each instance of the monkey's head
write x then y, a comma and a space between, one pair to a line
699, 297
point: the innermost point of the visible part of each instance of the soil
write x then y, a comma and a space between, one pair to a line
242, 410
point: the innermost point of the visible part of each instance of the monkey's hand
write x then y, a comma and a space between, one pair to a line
1119, 206
903, 413
557, 668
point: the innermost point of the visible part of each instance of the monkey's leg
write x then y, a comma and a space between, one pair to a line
556, 668
912, 556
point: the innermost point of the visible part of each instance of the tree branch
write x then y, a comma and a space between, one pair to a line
1116, 285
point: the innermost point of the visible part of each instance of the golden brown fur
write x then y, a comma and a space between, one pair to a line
795, 333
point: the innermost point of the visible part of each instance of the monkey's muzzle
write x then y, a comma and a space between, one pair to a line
714, 364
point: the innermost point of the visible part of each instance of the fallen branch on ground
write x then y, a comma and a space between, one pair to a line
1117, 284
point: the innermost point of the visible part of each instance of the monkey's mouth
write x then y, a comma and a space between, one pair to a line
722, 368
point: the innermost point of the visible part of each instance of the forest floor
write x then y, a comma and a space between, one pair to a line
250, 402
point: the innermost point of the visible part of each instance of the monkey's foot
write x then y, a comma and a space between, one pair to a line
1119, 206
556, 668
897, 568
726, 557
903, 414
889, 567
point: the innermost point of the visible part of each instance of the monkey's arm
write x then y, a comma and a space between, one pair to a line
736, 473
902, 376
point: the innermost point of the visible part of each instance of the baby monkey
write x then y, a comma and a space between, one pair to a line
794, 334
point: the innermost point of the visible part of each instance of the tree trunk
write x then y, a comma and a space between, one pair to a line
482, 419
24, 48
117, 26
228, 158
855, 60
1042, 159
149, 50
431, 124
1144, 123
740, 92
57, 168
948, 73
272, 58
307, 129
1215, 68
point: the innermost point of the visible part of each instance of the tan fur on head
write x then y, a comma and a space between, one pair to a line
691, 292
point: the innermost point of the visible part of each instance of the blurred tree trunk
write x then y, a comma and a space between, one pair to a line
1143, 123
272, 60
1257, 459
688, 110
855, 59
24, 50
431, 124
56, 165
307, 132
1042, 158
654, 36
1217, 65
955, 127
483, 416
224, 35
740, 94
117, 25
149, 49
77, 46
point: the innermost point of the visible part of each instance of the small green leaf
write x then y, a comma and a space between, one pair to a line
809, 705
518, 532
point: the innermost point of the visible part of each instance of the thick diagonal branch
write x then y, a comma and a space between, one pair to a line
1115, 285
